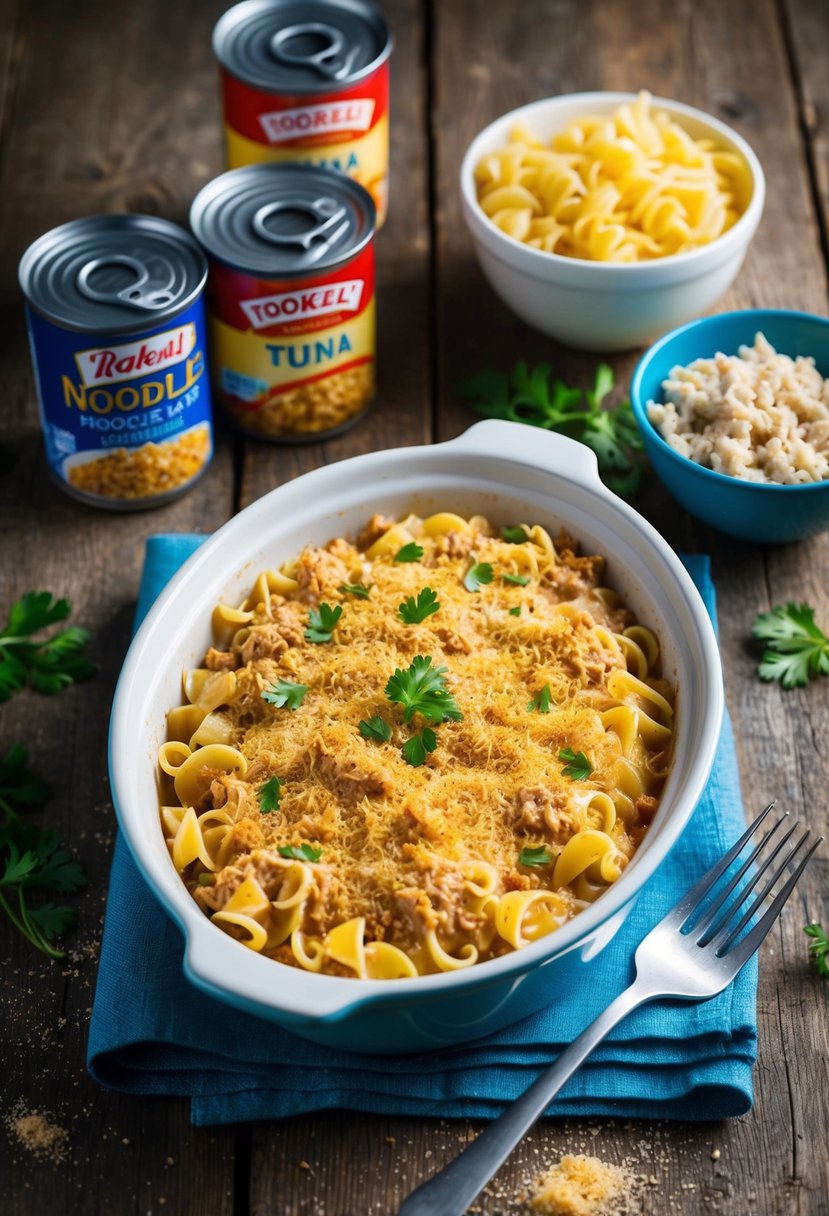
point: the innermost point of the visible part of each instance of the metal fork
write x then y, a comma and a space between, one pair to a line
687, 956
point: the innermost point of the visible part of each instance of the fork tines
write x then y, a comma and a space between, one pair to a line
713, 928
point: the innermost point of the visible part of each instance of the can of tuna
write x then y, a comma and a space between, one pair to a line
308, 81
290, 298
115, 312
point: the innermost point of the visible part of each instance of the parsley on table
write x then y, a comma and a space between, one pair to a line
413, 611
576, 765
818, 948
540, 856
515, 535
322, 622
479, 574
409, 553
31, 859
300, 852
422, 689
541, 702
517, 580
361, 590
530, 395
269, 795
47, 664
375, 728
416, 749
285, 692
516, 611
797, 649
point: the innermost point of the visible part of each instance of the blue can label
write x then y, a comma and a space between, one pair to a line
125, 417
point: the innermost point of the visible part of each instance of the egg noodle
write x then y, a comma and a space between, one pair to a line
415, 752
622, 187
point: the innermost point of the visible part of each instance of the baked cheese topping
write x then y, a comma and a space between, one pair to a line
415, 752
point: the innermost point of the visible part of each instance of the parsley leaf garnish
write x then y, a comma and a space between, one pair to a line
540, 856
269, 795
409, 553
321, 622
514, 535
422, 689
541, 702
375, 728
530, 395
576, 766
284, 692
31, 858
518, 580
300, 852
361, 590
798, 649
415, 749
818, 948
478, 575
515, 611
413, 611
48, 664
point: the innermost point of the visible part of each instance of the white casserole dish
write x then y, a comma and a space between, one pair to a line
508, 472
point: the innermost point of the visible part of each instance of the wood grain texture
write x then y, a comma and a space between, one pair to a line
113, 131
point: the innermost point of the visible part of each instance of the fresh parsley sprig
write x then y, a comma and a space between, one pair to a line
285, 692
517, 580
576, 764
416, 749
421, 689
300, 852
818, 948
413, 611
47, 664
409, 553
515, 534
797, 649
321, 623
530, 395
540, 856
361, 590
479, 574
375, 728
31, 859
541, 702
270, 795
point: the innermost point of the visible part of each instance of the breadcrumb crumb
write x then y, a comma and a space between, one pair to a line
578, 1185
36, 1132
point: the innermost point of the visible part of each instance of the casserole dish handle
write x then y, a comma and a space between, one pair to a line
532, 446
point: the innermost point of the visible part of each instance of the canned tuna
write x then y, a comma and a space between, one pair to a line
308, 82
115, 313
291, 298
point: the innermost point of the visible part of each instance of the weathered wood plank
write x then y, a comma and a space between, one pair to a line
689, 53
109, 115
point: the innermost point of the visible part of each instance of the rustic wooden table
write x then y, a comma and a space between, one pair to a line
113, 107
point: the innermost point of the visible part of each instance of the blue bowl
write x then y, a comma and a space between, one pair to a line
752, 511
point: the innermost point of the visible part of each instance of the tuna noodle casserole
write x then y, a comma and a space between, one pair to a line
415, 752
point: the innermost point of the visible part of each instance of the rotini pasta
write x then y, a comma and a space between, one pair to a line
628, 186
387, 768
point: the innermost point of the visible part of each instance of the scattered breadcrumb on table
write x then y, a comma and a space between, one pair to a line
578, 1185
35, 1131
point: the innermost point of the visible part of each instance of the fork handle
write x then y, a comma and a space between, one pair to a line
450, 1192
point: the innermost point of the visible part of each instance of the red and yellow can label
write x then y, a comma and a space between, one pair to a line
346, 130
293, 358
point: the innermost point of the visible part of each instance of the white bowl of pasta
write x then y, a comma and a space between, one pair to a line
410, 822
607, 219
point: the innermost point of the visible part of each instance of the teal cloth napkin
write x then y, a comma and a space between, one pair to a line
153, 1033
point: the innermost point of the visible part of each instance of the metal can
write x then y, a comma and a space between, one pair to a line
290, 298
115, 313
308, 81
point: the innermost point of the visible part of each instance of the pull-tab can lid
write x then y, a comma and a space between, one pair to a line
113, 273
283, 220
301, 46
